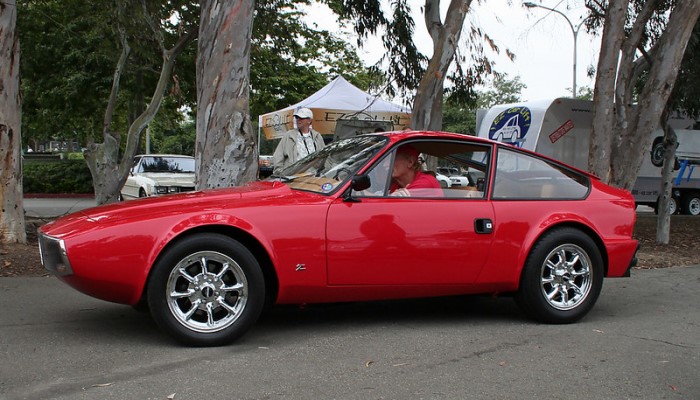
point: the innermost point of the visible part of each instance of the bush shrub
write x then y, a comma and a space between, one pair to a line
65, 176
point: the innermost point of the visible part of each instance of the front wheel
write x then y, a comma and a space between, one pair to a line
206, 290
562, 278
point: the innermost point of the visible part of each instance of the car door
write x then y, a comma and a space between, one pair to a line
384, 240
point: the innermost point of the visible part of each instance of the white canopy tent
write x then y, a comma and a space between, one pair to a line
338, 100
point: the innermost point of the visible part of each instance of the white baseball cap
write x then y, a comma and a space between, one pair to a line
303, 113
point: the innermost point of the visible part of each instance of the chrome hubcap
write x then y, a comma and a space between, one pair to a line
566, 277
207, 291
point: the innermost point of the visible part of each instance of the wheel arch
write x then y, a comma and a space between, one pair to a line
587, 230
245, 238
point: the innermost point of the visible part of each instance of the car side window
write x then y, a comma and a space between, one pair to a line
459, 169
524, 176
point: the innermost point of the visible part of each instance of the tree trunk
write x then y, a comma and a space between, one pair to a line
604, 90
663, 222
109, 172
225, 149
12, 225
621, 132
427, 106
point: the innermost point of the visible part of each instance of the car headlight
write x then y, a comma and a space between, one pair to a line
54, 256
167, 189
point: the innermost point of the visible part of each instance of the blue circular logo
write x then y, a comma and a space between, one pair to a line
511, 126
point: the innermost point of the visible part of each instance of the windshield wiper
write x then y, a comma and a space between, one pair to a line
282, 178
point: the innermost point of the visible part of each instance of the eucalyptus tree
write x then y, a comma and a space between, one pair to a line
642, 46
408, 69
684, 98
171, 31
284, 61
98, 72
12, 226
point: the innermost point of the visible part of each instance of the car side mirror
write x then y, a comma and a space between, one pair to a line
359, 183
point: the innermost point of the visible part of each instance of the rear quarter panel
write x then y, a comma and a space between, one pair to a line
606, 215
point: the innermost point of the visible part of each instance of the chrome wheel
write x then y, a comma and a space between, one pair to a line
562, 277
207, 291
566, 277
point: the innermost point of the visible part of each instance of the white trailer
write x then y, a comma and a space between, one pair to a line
561, 128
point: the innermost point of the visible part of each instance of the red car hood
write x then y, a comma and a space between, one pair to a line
206, 200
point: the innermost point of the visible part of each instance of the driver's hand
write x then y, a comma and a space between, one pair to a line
402, 192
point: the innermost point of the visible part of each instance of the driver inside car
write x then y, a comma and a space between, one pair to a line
407, 177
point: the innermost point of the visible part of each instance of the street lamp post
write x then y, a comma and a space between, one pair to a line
573, 30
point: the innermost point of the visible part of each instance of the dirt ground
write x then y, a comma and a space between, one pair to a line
23, 260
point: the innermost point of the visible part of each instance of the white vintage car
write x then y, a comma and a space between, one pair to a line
158, 174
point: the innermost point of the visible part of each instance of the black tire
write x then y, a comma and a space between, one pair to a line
142, 193
690, 204
206, 290
673, 206
657, 152
564, 258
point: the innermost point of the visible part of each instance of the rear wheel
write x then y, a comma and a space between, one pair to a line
691, 204
673, 206
206, 290
562, 278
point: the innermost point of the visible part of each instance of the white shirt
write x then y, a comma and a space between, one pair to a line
305, 145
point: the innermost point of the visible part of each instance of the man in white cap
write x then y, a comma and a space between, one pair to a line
297, 143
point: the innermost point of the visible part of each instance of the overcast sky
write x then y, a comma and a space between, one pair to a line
541, 40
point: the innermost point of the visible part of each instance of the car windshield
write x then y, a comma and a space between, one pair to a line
168, 164
327, 169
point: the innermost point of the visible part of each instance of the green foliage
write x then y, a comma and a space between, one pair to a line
458, 119
173, 138
290, 60
584, 93
66, 67
686, 92
70, 49
74, 156
70, 176
461, 118
504, 91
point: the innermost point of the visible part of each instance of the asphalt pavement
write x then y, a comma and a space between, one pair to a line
52, 207
640, 341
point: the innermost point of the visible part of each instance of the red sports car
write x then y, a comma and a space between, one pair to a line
360, 220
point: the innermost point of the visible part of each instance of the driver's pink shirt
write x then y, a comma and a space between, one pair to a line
422, 180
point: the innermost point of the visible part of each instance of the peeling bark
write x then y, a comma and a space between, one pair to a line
427, 106
663, 222
621, 130
225, 149
12, 225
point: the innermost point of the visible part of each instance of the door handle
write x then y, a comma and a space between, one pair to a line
483, 225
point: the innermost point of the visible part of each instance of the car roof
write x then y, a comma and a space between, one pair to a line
164, 155
396, 137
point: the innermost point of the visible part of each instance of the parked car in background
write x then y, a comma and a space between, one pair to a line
456, 178
158, 174
443, 180
328, 228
